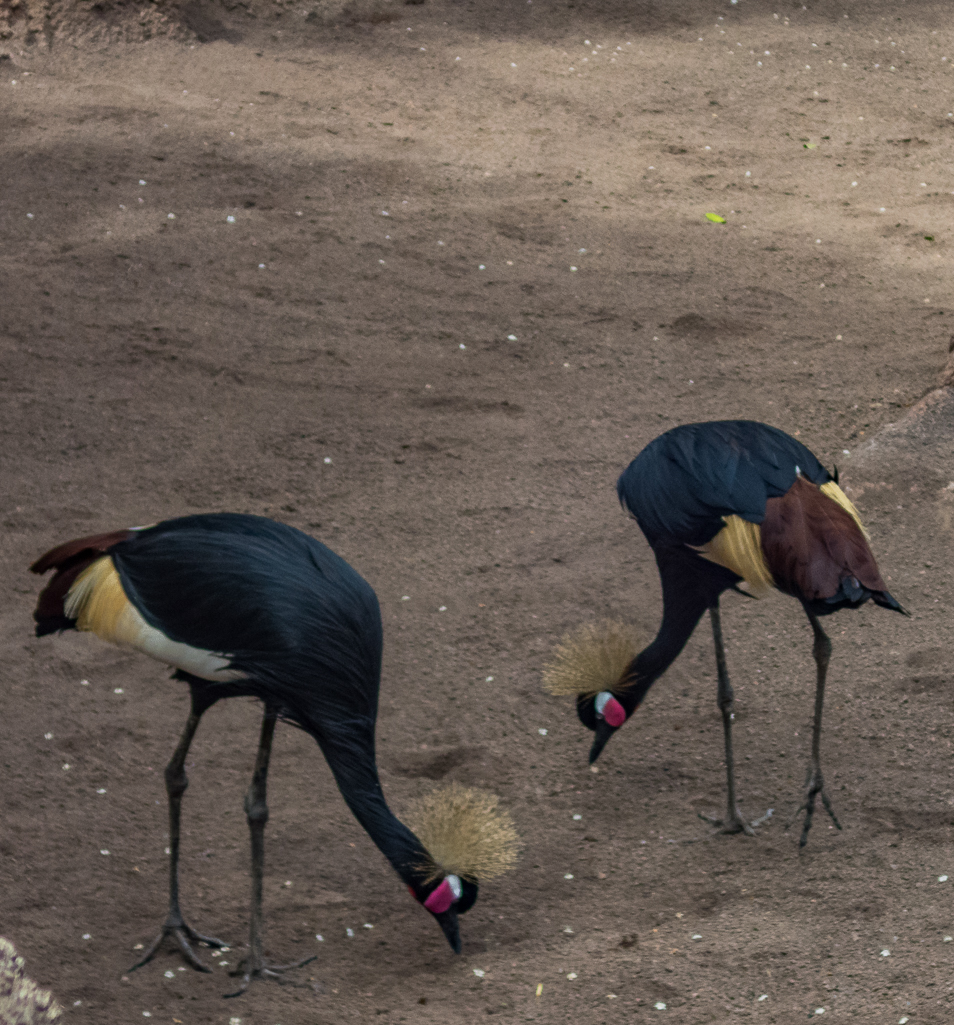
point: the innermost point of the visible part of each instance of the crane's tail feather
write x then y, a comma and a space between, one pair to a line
464, 833
591, 659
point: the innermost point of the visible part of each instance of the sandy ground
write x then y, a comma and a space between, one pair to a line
421, 280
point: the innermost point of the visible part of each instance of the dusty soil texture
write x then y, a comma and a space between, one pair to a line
421, 280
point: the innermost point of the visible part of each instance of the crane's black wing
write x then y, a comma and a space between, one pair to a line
287, 611
682, 483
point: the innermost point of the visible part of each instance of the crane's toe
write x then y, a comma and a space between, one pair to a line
183, 935
814, 788
252, 967
733, 822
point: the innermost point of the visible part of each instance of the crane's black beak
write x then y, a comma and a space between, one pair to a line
603, 732
448, 922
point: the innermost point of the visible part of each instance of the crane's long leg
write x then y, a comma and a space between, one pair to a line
175, 925
256, 809
815, 783
733, 821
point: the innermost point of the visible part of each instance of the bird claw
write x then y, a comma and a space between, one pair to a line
814, 787
734, 823
181, 934
261, 970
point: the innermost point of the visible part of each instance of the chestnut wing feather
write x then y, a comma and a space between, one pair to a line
811, 544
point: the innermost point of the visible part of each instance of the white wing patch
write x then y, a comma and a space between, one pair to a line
99, 605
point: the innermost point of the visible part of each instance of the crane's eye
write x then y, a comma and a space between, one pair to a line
446, 894
608, 708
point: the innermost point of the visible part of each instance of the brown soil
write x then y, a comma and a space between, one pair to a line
413, 212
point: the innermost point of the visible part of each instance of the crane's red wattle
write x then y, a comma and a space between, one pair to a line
614, 713
441, 899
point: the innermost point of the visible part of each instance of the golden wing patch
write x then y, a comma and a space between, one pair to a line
738, 547
99, 605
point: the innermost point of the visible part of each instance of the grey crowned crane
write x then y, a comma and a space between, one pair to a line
242, 605
721, 503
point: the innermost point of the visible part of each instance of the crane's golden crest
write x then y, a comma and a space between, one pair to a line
465, 834
99, 605
591, 659
21, 1000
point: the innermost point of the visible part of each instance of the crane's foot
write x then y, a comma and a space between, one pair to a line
814, 788
183, 936
257, 968
734, 823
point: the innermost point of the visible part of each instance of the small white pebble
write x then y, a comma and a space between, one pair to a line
571, 976
168, 850
577, 817
886, 953
819, 1010
569, 875
30, 217
104, 851
697, 936
845, 452
230, 219
511, 338
77, 1003
837, 338
542, 732
405, 597
462, 346
142, 181
489, 679
942, 879
764, 996
49, 736
481, 266
101, 791
147, 1014
287, 883
84, 683
368, 925
327, 460
380, 261
573, 268
853, 184
443, 608
66, 766
349, 933
86, 936
235, 1021
748, 174
261, 266
170, 975
479, 972
170, 217
512, 64
384, 213
117, 690
612, 996
902, 1021
568, 930
659, 1005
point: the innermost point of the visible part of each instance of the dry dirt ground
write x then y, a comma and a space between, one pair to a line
421, 280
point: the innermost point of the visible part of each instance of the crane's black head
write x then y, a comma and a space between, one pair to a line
451, 897
604, 713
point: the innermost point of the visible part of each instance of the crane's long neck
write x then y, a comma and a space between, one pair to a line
690, 585
350, 755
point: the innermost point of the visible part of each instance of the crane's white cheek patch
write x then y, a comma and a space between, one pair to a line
614, 713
